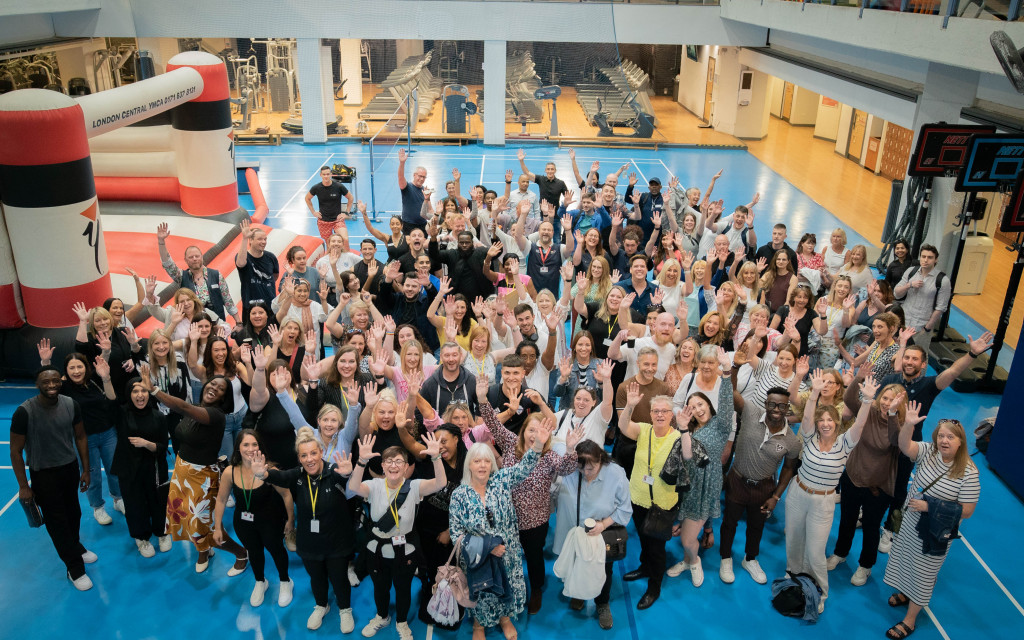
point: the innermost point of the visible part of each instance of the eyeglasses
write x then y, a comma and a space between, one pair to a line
393, 463
776, 405
660, 411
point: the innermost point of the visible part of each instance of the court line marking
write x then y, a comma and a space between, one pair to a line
935, 620
483, 159
8, 505
315, 174
639, 170
670, 174
9, 468
993, 576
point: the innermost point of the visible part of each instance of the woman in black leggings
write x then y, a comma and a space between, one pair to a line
325, 535
263, 514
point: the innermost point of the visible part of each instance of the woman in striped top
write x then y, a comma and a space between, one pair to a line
811, 505
944, 472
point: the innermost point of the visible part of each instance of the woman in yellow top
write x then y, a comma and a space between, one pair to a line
653, 444
455, 308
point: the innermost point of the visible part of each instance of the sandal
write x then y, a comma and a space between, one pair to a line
898, 600
235, 569
898, 631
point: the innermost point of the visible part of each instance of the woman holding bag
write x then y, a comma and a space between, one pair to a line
648, 492
599, 492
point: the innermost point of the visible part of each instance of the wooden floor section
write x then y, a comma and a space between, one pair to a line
853, 194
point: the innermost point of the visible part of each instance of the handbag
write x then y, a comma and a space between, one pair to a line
32, 512
659, 522
897, 514
614, 536
674, 471
451, 583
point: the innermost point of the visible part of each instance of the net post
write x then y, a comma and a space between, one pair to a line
373, 191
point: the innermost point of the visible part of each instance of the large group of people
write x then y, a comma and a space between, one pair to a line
606, 355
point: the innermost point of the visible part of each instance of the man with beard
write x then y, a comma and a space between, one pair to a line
763, 441
465, 263
408, 305
47, 430
416, 240
450, 383
544, 257
624, 450
922, 389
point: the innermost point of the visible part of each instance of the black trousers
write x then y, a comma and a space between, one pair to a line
265, 533
145, 504
56, 491
606, 590
652, 551
386, 572
874, 505
904, 466
740, 497
333, 570
532, 541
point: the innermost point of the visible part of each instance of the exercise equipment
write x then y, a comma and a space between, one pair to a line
448, 59
550, 93
411, 78
521, 81
456, 109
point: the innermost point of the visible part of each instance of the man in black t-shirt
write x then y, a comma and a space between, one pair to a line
328, 193
778, 243
258, 269
550, 187
47, 432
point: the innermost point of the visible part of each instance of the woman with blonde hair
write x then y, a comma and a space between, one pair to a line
381, 419
835, 255
856, 267
869, 480
532, 501
98, 335
834, 311
684, 364
831, 394
671, 283
945, 485
410, 369
747, 280
713, 329
594, 284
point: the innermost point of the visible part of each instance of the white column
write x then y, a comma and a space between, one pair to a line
946, 91
327, 83
311, 90
352, 71
494, 92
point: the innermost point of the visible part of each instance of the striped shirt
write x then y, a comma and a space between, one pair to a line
821, 470
964, 490
767, 375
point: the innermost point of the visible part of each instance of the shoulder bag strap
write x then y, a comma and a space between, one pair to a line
579, 491
650, 473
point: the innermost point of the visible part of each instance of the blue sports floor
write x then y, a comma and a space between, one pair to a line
978, 595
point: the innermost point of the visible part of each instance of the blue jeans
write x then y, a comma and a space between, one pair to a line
101, 450
232, 425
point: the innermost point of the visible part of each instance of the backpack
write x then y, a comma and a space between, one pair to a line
938, 283
983, 434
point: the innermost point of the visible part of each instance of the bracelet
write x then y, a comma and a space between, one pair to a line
975, 355
435, 458
361, 463
389, 333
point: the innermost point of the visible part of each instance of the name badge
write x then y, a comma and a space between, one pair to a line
247, 516
649, 480
607, 342
398, 541
314, 526
543, 269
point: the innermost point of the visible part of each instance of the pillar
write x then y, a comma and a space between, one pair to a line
494, 92
352, 71
311, 90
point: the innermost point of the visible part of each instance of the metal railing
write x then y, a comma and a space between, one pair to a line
1005, 10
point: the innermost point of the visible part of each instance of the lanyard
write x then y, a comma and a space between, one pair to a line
247, 494
344, 397
391, 502
543, 254
313, 496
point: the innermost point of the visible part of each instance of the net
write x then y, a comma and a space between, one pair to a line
392, 134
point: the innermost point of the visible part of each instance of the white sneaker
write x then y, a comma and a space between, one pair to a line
347, 622
102, 516
697, 573
404, 632
860, 576
146, 549
83, 583
753, 567
677, 569
885, 542
834, 561
317, 617
119, 505
89, 557
284, 598
256, 599
231, 501
353, 579
165, 543
375, 625
725, 571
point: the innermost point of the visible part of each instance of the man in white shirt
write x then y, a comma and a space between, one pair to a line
660, 340
522, 194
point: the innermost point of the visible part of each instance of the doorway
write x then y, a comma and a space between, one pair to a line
708, 89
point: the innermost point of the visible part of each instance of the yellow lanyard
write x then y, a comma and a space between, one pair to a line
313, 496
391, 505
344, 397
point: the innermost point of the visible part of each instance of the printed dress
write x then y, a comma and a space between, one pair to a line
702, 500
468, 515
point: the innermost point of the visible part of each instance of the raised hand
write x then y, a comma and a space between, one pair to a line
724, 360
451, 329
566, 270
177, 313
433, 445
658, 296
482, 386
914, 413
366, 451
478, 306
632, 178
80, 311
574, 437
343, 464
656, 218
821, 306
259, 465
567, 200
259, 358
402, 415
193, 332
982, 344
604, 370
281, 379
633, 394
565, 366
403, 155
101, 368
818, 379
246, 229
521, 155
803, 365
495, 250
275, 335
370, 393
850, 301
544, 429
869, 387
636, 198
389, 324
508, 175
45, 350
762, 264
103, 340
162, 231
351, 394
245, 354
683, 417
616, 275
628, 300
512, 406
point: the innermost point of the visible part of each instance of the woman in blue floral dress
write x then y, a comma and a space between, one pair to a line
711, 429
482, 505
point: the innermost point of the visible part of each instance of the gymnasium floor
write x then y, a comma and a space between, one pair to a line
978, 594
